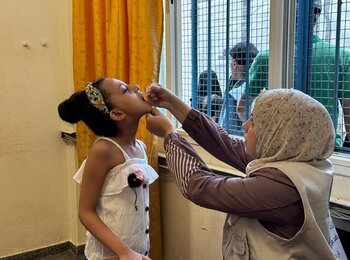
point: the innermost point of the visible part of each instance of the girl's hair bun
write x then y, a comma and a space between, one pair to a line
78, 107
71, 110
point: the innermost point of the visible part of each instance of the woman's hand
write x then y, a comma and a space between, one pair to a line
158, 124
162, 97
159, 96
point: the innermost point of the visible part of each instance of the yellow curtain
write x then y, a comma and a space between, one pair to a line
120, 39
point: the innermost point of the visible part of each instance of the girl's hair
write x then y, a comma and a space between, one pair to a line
78, 107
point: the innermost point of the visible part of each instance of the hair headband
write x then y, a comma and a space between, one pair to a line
95, 98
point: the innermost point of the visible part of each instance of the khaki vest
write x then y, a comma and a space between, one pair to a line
246, 238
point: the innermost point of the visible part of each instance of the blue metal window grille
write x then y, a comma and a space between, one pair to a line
219, 42
322, 64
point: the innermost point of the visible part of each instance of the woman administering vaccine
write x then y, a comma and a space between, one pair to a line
280, 210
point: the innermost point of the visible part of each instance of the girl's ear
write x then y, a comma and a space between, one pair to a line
116, 115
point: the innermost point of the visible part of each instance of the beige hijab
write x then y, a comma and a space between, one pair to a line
290, 126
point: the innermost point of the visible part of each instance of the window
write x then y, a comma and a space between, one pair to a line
324, 35
216, 62
215, 56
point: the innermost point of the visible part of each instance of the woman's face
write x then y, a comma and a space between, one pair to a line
250, 138
126, 98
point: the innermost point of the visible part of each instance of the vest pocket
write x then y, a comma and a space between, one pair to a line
236, 249
235, 242
238, 246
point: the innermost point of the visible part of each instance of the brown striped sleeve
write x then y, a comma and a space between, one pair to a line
183, 161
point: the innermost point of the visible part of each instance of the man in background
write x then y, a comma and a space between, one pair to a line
322, 70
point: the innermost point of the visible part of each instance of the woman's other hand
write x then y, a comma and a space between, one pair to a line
158, 124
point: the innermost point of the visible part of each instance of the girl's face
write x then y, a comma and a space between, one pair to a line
250, 138
126, 98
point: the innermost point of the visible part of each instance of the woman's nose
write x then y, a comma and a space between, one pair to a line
245, 125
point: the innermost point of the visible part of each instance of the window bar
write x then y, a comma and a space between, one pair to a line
310, 46
194, 34
227, 53
247, 107
302, 45
336, 68
209, 89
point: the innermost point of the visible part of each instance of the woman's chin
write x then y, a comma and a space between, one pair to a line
249, 153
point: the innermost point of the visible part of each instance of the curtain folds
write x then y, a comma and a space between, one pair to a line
120, 39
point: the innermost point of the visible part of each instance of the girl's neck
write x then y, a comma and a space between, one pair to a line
125, 141
126, 135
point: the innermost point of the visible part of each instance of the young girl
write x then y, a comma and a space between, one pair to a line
114, 179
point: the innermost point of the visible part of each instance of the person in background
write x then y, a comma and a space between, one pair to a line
280, 210
322, 85
203, 84
202, 90
115, 177
238, 64
216, 103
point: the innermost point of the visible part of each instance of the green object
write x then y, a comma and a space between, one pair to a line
322, 75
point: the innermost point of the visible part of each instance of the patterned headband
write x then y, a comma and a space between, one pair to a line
96, 99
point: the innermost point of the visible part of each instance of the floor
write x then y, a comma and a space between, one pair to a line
67, 255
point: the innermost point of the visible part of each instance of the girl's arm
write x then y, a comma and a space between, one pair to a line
101, 159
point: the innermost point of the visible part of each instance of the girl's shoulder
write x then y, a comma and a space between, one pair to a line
111, 144
108, 152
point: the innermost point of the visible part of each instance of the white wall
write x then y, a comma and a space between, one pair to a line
38, 197
189, 232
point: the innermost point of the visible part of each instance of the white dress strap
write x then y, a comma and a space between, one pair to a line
143, 148
127, 157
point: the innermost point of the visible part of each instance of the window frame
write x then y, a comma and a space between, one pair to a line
281, 65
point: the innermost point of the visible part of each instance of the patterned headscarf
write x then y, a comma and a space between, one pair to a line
290, 126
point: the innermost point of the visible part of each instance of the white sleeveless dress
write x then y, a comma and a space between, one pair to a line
116, 206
